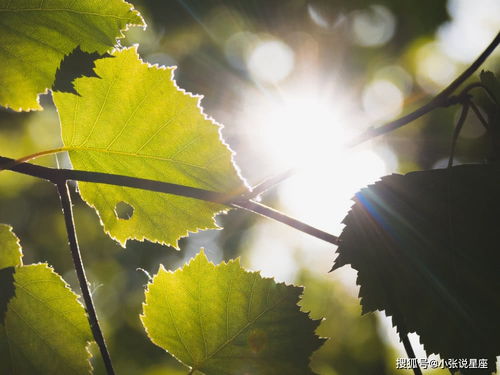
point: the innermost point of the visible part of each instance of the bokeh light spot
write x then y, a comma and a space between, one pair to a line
271, 61
373, 27
435, 70
382, 100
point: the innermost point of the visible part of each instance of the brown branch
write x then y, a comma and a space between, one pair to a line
65, 196
440, 100
58, 176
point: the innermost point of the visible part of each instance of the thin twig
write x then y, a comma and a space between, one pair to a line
282, 218
479, 115
479, 85
456, 132
237, 201
27, 158
268, 183
440, 100
409, 352
80, 272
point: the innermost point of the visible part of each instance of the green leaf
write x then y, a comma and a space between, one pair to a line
224, 320
10, 257
135, 121
44, 329
425, 246
10, 249
35, 35
75, 65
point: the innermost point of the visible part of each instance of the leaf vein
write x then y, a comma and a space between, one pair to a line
227, 306
169, 121
80, 12
176, 329
125, 153
200, 317
251, 295
120, 133
227, 342
115, 78
60, 313
41, 337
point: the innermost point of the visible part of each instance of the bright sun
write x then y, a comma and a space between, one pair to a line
309, 134
299, 131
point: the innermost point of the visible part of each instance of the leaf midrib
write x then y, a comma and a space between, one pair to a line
131, 154
229, 340
42, 338
46, 304
80, 12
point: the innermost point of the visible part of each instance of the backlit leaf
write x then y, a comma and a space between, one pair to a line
10, 250
425, 246
224, 320
134, 121
35, 35
75, 65
44, 329
10, 257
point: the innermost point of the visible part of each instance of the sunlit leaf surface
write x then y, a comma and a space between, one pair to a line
425, 246
43, 328
224, 320
35, 35
134, 121
10, 250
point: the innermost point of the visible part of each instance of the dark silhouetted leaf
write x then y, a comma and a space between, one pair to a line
7, 290
426, 249
36, 35
75, 65
10, 257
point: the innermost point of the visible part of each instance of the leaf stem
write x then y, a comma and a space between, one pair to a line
268, 183
65, 197
479, 116
26, 158
58, 176
456, 132
440, 100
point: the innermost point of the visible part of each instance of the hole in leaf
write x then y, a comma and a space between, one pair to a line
124, 211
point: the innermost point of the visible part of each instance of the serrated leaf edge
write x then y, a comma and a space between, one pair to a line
76, 299
121, 35
316, 322
245, 187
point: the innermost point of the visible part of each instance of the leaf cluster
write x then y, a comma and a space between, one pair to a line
121, 116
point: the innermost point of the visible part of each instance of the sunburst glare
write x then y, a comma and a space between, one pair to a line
309, 133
